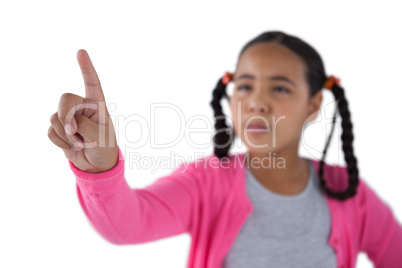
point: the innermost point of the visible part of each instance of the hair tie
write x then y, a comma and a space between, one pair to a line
227, 77
331, 81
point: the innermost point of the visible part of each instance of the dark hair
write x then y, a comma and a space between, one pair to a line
316, 77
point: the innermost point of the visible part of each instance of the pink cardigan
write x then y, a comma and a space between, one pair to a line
208, 200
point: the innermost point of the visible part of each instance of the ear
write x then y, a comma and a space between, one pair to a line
314, 106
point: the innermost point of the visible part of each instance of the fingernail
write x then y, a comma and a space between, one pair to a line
69, 129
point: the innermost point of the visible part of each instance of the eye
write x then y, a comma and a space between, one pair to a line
282, 89
243, 87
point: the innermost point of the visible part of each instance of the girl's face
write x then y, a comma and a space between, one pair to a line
270, 88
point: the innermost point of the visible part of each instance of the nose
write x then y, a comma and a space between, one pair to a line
257, 106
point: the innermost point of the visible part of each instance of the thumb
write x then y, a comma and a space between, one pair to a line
92, 132
93, 89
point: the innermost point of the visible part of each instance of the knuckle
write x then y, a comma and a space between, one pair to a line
50, 132
68, 106
54, 117
91, 84
66, 95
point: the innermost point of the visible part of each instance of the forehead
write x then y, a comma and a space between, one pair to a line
271, 58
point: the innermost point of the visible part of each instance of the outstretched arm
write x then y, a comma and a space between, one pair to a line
123, 215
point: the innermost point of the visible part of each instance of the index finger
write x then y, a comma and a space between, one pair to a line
93, 89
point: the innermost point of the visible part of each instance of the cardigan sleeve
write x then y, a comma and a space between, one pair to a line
381, 233
123, 215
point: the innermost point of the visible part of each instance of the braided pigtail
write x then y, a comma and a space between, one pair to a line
223, 137
347, 139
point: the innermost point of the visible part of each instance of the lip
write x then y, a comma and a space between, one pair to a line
257, 127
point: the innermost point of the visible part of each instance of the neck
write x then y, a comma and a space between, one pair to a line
279, 167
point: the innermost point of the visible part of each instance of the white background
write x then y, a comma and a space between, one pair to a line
173, 52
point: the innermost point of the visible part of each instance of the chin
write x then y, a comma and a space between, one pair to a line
262, 151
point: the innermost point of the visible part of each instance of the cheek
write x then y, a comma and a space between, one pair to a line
293, 118
288, 108
289, 117
235, 108
291, 110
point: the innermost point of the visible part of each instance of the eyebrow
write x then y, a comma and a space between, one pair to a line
274, 77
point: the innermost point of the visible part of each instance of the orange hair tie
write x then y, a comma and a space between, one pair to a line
227, 77
331, 81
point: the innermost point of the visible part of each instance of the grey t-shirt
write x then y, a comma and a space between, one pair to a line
284, 231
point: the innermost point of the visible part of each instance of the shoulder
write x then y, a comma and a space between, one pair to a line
337, 178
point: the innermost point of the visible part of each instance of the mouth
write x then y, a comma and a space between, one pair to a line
258, 128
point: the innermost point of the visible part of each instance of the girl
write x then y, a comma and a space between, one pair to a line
239, 212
